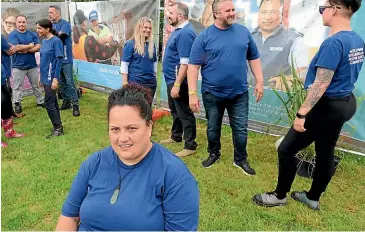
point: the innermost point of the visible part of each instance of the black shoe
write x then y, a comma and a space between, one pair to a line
212, 158
65, 105
245, 167
18, 108
41, 105
76, 110
56, 132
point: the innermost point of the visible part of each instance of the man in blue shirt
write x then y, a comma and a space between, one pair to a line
67, 84
175, 65
24, 63
221, 51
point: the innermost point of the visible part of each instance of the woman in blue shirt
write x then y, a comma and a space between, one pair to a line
139, 59
51, 54
330, 81
134, 184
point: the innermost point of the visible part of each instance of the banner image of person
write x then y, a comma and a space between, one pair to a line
34, 12
99, 32
287, 32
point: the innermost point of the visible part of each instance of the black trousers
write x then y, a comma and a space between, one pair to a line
6, 105
184, 122
323, 126
52, 108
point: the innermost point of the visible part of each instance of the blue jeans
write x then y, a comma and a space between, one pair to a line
238, 116
67, 85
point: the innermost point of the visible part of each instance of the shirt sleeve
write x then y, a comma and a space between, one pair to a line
299, 52
181, 206
197, 53
183, 44
65, 29
329, 56
13, 39
252, 51
58, 48
128, 51
36, 39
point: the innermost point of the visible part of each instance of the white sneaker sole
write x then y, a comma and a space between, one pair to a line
242, 169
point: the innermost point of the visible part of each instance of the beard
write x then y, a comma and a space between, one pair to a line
172, 22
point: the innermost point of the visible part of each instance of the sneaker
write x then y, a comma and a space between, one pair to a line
41, 105
302, 198
17, 108
212, 158
168, 141
269, 200
56, 132
76, 110
245, 167
65, 105
185, 152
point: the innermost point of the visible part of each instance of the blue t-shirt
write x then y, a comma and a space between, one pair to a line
343, 53
140, 68
158, 193
178, 46
51, 59
223, 56
23, 61
5, 58
64, 27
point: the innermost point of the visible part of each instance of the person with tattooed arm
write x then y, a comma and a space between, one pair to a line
329, 104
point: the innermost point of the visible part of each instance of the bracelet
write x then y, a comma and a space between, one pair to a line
177, 85
192, 92
300, 116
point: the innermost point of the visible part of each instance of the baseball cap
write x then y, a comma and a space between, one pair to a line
93, 15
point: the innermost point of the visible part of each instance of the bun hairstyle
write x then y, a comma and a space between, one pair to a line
133, 95
47, 24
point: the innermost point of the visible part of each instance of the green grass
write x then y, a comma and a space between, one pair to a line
37, 174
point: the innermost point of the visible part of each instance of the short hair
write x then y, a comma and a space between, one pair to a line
215, 4
352, 5
21, 15
262, 2
133, 95
183, 8
56, 7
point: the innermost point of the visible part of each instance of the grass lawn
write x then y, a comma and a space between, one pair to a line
37, 174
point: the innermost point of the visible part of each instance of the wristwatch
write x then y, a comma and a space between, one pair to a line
300, 116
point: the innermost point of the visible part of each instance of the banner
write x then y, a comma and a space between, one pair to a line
98, 39
34, 12
298, 32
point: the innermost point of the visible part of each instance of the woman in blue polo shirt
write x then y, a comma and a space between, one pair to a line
139, 59
134, 184
51, 54
330, 103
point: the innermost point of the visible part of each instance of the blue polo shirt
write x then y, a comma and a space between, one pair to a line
158, 193
64, 27
223, 56
140, 68
5, 58
51, 59
343, 53
23, 61
178, 46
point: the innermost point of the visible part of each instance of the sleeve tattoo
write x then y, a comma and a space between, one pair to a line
323, 79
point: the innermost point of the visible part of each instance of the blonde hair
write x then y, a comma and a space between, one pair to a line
140, 40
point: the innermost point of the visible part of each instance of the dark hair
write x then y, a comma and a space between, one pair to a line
262, 2
79, 17
21, 15
77, 32
56, 7
47, 24
352, 5
132, 95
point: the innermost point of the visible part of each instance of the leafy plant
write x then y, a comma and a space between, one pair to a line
75, 75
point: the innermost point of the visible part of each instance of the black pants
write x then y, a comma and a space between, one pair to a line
184, 122
323, 126
51, 104
6, 105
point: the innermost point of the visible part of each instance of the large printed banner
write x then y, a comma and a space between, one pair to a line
296, 31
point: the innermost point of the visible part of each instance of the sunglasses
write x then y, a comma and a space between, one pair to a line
323, 8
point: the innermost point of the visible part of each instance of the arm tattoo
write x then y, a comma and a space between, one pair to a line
323, 79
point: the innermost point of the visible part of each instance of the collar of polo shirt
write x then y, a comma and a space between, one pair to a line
183, 24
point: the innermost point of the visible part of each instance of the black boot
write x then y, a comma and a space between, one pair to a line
65, 105
76, 110
56, 132
18, 108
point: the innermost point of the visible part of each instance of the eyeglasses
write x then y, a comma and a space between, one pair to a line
9, 24
323, 8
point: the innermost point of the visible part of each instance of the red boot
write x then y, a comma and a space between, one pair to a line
9, 130
3, 144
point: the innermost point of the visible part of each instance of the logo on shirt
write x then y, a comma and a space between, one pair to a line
356, 55
276, 49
